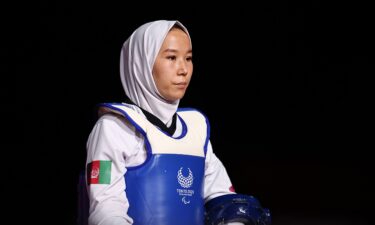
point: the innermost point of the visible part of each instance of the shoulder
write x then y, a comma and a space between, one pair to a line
194, 112
119, 108
112, 124
112, 120
119, 117
114, 132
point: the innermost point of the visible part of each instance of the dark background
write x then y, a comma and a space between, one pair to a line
278, 81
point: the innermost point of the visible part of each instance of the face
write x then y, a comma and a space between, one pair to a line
173, 66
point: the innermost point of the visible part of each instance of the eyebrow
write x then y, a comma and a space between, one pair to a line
174, 50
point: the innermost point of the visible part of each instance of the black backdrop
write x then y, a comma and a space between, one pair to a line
275, 79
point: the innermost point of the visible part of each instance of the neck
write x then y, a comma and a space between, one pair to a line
169, 127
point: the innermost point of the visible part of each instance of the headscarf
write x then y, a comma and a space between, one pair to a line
137, 59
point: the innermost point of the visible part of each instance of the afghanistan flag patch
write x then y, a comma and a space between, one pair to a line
99, 172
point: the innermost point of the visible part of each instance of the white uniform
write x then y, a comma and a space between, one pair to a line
115, 139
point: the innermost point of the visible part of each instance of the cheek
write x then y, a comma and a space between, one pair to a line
157, 74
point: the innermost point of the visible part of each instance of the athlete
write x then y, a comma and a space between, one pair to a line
151, 162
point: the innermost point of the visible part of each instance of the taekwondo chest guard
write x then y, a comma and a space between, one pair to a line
167, 189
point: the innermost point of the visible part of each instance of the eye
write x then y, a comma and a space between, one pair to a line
189, 58
171, 57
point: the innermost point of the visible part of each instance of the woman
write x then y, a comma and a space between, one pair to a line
149, 162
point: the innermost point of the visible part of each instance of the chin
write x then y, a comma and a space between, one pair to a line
174, 99
171, 101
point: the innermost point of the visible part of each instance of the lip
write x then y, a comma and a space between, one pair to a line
181, 84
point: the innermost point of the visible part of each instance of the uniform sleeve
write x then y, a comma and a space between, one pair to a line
111, 143
216, 180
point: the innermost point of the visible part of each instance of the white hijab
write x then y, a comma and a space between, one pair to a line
137, 59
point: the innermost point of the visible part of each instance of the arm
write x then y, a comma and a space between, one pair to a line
113, 141
216, 180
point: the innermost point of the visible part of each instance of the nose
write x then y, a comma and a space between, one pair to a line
182, 68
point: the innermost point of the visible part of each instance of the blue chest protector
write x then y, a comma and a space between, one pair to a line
167, 189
